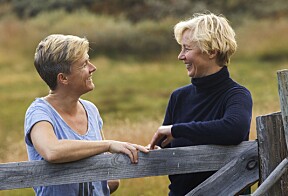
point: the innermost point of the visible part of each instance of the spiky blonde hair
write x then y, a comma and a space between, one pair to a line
211, 33
56, 53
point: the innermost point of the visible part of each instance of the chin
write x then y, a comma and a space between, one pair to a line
191, 75
90, 88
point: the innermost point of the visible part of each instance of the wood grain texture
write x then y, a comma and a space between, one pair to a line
118, 166
272, 178
233, 177
272, 150
282, 76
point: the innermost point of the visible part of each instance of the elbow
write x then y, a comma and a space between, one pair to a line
231, 141
51, 156
237, 131
239, 136
236, 141
51, 153
51, 160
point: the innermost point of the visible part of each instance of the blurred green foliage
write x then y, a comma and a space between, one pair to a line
136, 27
138, 10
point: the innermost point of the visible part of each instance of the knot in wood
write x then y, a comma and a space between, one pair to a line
251, 164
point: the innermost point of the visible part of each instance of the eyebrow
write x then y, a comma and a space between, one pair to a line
187, 46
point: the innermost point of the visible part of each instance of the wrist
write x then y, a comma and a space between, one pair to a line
107, 144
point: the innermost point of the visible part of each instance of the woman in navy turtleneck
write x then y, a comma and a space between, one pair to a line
213, 109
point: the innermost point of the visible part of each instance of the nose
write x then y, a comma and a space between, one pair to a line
181, 55
92, 67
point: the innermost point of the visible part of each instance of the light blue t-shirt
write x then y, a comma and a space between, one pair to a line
41, 110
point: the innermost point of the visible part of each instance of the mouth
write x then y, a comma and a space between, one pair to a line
90, 78
188, 66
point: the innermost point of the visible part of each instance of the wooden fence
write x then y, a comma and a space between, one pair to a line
238, 164
237, 167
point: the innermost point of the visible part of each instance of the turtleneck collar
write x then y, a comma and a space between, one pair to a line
211, 81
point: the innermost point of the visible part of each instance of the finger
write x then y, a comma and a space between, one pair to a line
134, 152
147, 147
157, 147
128, 152
156, 138
153, 141
135, 155
141, 148
166, 142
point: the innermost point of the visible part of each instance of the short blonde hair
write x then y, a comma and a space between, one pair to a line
56, 53
211, 33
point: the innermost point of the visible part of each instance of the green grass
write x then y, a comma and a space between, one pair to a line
131, 93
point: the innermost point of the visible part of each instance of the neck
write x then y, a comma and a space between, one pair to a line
211, 82
62, 103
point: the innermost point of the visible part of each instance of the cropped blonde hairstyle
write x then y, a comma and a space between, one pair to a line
56, 53
211, 33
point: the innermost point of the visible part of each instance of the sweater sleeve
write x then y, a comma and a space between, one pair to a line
231, 129
167, 121
168, 115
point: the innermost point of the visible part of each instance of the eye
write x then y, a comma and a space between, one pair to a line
186, 49
86, 63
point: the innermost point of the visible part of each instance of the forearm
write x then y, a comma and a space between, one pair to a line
214, 132
72, 150
57, 150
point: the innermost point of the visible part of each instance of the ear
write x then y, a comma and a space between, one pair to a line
62, 78
212, 54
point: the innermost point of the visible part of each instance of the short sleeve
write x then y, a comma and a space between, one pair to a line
34, 114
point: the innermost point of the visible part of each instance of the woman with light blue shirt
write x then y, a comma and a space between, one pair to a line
61, 127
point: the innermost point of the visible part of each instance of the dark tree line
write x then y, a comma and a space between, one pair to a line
137, 10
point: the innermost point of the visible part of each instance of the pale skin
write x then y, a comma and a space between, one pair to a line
198, 64
65, 99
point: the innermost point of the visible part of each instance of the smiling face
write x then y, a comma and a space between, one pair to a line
198, 63
80, 78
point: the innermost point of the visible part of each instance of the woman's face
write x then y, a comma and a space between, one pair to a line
80, 78
198, 64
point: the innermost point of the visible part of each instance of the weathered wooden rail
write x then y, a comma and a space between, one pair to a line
236, 167
157, 162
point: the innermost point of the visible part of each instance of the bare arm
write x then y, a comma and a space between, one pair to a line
60, 151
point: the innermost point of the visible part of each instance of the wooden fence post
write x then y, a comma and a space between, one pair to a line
283, 96
281, 169
272, 150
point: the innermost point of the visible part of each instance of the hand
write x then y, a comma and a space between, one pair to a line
148, 147
126, 148
160, 134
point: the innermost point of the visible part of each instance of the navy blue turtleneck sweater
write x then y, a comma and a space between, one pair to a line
212, 110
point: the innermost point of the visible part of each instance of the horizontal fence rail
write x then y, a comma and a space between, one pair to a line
117, 166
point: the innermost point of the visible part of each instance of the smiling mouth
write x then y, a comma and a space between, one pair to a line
90, 78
